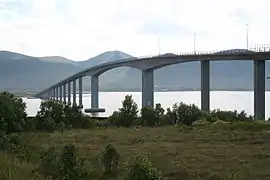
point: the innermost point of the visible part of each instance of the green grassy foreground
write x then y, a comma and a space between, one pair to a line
226, 151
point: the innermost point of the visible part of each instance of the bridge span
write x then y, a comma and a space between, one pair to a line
62, 90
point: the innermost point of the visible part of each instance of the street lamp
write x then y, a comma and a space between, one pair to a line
247, 35
194, 43
158, 46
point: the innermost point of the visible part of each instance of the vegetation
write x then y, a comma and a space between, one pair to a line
181, 143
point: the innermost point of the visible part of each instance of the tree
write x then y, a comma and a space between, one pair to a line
127, 114
186, 114
12, 112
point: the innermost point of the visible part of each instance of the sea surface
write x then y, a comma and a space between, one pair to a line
111, 101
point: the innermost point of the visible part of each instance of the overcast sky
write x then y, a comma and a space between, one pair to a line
79, 29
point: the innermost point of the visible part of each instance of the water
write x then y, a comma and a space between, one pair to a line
111, 101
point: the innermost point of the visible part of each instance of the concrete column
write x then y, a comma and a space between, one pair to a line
94, 91
57, 93
205, 85
69, 93
65, 93
148, 88
61, 93
80, 92
259, 89
53, 94
49, 95
74, 92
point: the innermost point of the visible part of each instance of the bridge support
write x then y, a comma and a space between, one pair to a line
259, 89
69, 93
65, 93
49, 95
205, 86
74, 92
57, 93
94, 91
53, 94
148, 88
80, 92
61, 93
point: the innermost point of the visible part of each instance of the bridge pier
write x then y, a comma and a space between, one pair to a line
69, 93
54, 93
80, 92
57, 93
65, 93
94, 91
205, 85
74, 92
148, 88
61, 93
259, 89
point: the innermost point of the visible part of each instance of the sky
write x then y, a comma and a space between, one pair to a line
80, 29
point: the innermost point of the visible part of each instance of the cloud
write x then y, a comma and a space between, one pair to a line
79, 29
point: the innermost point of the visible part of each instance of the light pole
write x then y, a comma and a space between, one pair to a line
247, 36
158, 46
194, 43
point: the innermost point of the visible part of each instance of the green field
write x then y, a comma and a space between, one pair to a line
230, 152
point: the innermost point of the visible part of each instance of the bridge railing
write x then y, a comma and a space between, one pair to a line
257, 48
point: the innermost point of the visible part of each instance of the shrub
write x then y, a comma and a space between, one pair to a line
64, 166
12, 113
169, 118
54, 114
148, 116
142, 168
49, 164
72, 169
30, 124
230, 116
110, 158
127, 114
159, 111
186, 114
115, 118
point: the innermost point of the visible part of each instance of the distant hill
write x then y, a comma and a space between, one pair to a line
57, 59
22, 73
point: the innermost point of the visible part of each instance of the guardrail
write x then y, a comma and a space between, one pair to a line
257, 48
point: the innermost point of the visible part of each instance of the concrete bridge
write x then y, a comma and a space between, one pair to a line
147, 65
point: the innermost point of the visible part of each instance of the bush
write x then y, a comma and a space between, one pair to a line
152, 116
10, 142
72, 169
186, 114
110, 158
142, 168
64, 166
230, 116
148, 116
12, 113
49, 164
54, 115
127, 114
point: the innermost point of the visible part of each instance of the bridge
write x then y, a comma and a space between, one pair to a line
62, 90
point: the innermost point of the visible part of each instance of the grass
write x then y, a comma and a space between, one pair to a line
231, 153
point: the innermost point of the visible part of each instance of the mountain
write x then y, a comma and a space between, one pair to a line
22, 73
104, 57
19, 72
57, 59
